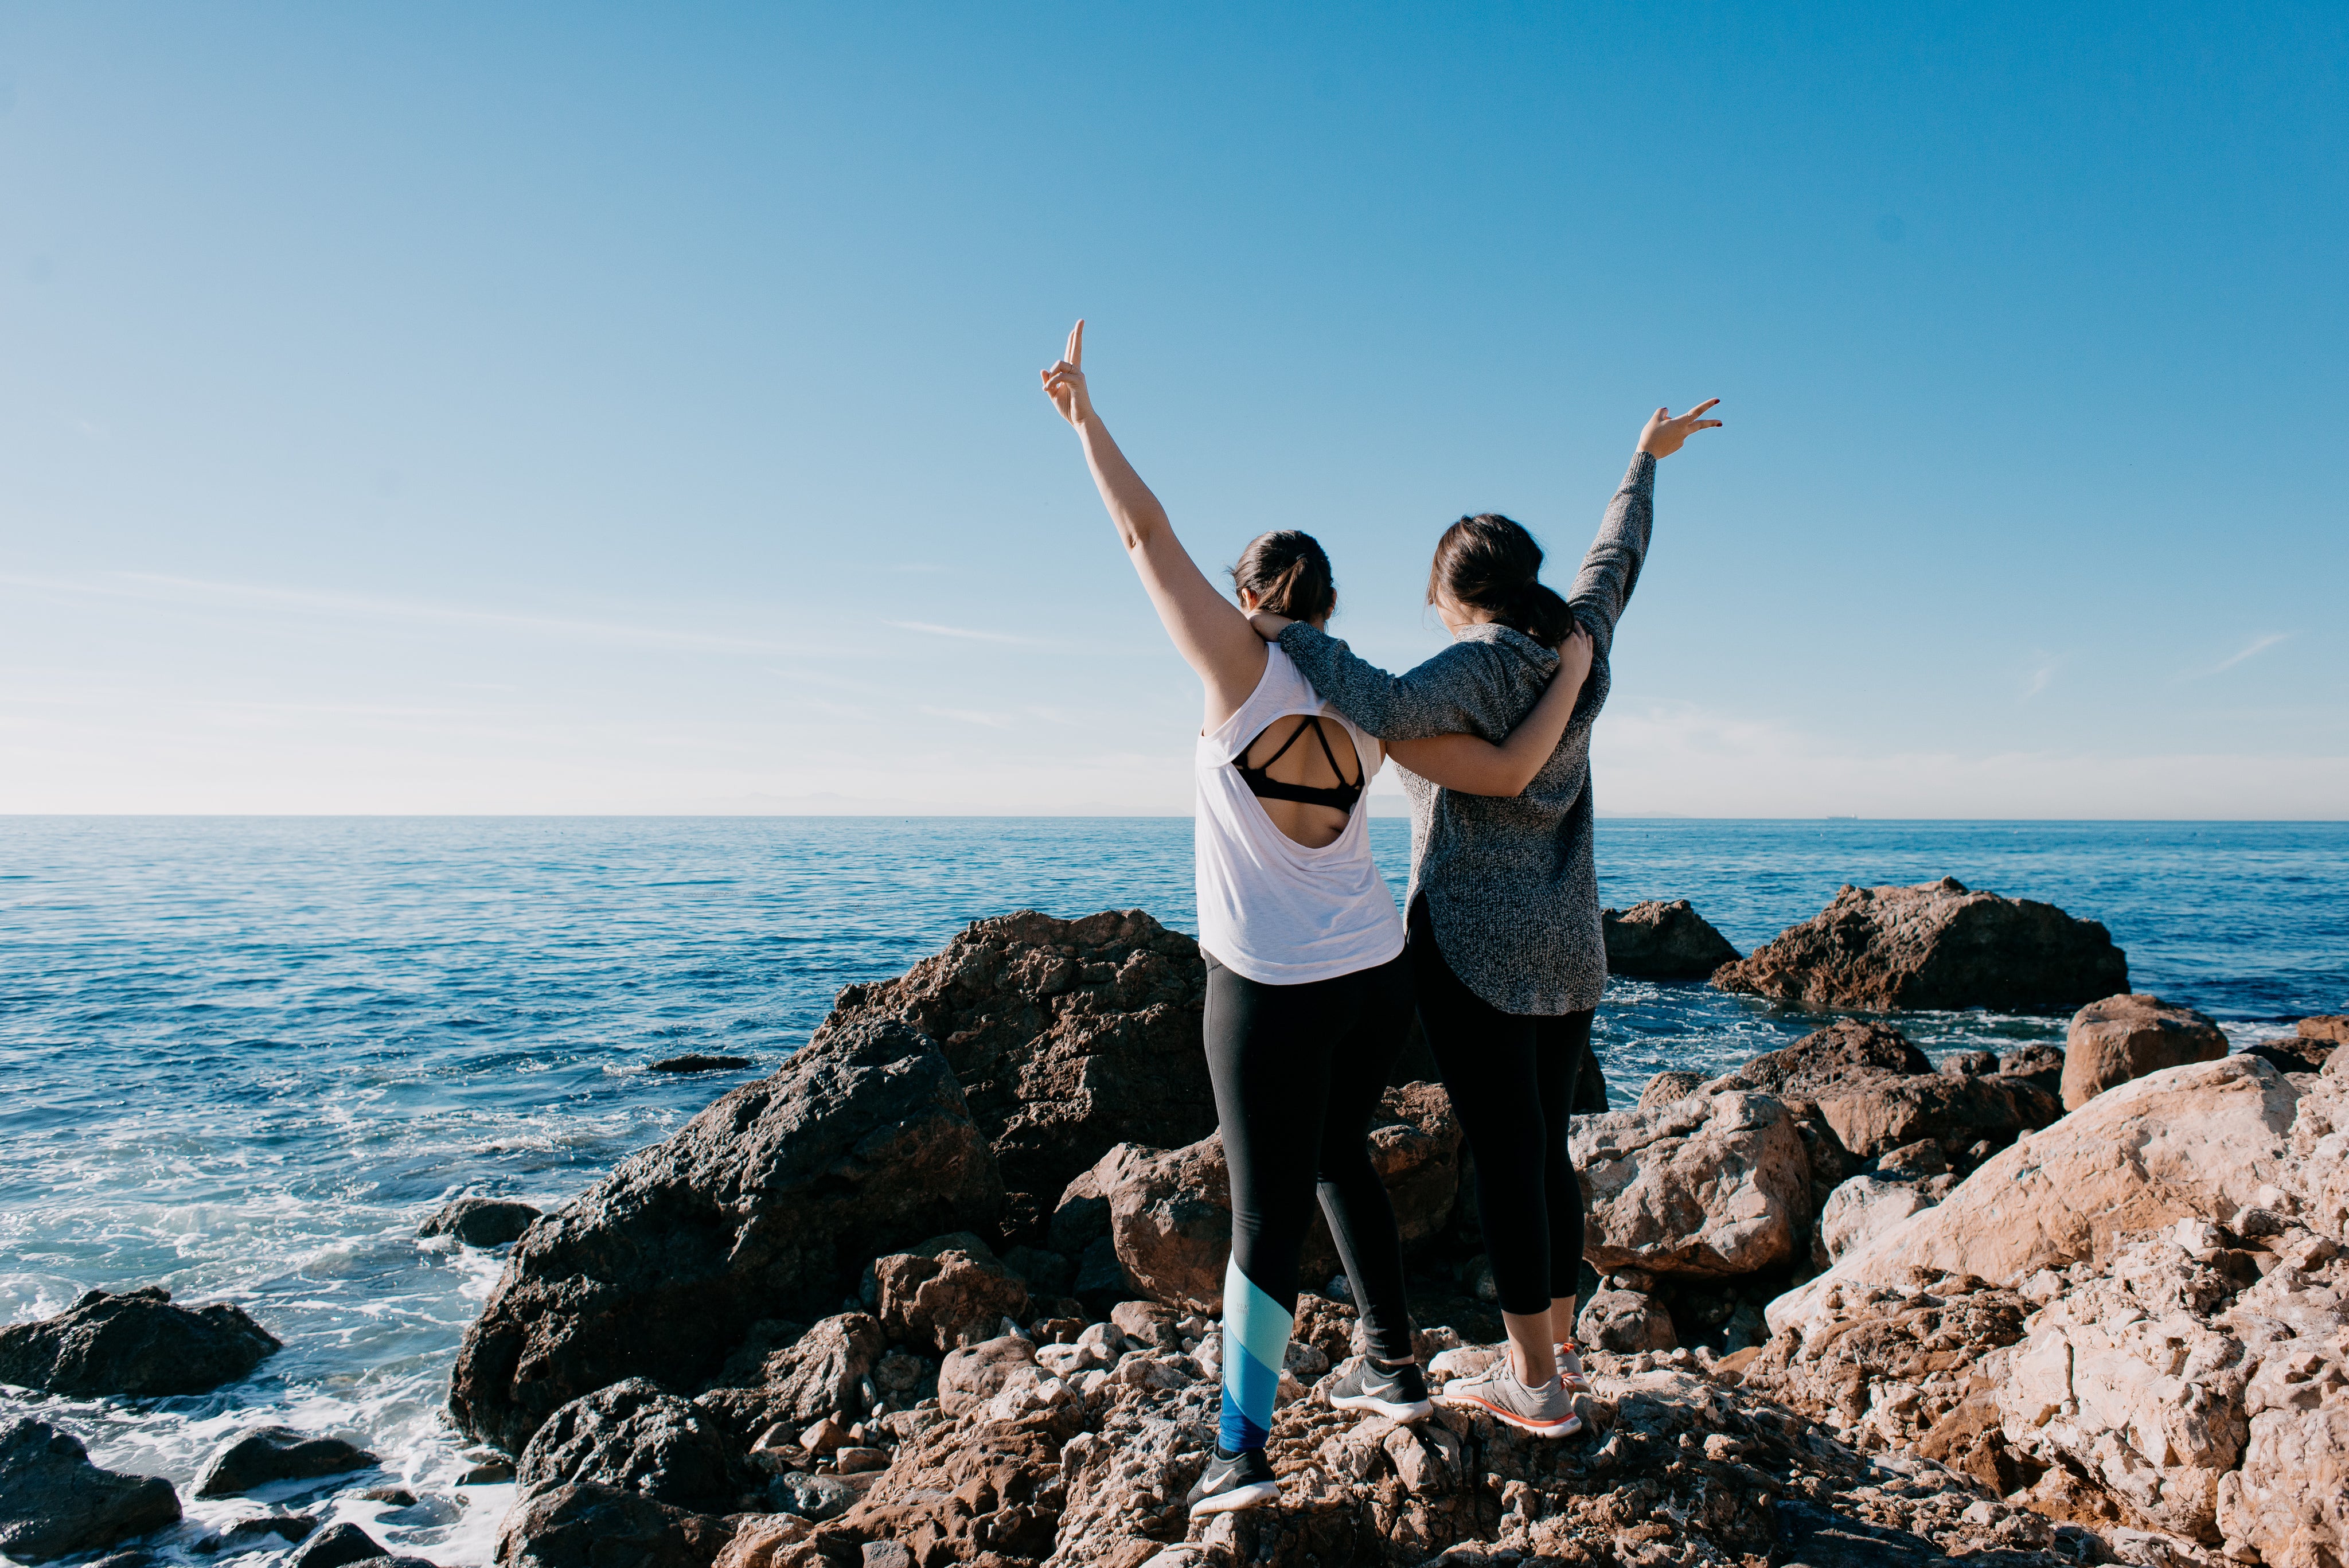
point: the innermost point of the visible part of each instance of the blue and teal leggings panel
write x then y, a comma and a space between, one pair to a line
1255, 1343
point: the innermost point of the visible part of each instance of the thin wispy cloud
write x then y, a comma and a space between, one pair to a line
969, 716
2257, 646
932, 629
2040, 676
155, 588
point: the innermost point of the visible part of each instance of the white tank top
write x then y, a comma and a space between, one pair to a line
1271, 908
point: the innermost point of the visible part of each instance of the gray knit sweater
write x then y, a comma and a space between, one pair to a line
1511, 886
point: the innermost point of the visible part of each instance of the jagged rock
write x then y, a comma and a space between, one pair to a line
2039, 1064
954, 1299
596, 1527
765, 1203
782, 1374
1415, 1146
273, 1454
632, 1436
263, 1533
2331, 1028
1665, 1087
1969, 1063
480, 1221
337, 1545
1661, 940
990, 1486
976, 1374
2125, 1037
1867, 1205
1876, 1092
769, 1540
1625, 1322
697, 1061
54, 1501
1714, 1184
2194, 1142
1935, 945
134, 1343
1069, 1036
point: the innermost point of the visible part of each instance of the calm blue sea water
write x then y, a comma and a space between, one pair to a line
244, 1057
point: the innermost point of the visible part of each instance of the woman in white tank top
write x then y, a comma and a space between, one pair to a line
1308, 992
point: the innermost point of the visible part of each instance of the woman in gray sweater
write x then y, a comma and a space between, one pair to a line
1503, 926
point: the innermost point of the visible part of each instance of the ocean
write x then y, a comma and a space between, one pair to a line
243, 1058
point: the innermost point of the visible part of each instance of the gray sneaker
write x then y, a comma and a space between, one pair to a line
1545, 1412
1398, 1393
1228, 1485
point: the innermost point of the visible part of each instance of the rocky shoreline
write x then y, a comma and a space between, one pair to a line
942, 1289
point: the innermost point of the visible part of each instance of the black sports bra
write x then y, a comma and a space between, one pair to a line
1340, 798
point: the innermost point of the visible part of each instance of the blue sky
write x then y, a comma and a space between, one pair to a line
579, 409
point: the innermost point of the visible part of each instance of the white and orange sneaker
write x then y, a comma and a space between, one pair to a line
1546, 1411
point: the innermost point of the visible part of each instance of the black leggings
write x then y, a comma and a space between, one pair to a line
1511, 1079
1298, 1071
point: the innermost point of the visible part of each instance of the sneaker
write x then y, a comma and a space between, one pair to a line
1226, 1486
1398, 1393
1545, 1412
1569, 1367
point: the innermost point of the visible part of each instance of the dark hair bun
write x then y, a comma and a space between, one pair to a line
1289, 572
1489, 563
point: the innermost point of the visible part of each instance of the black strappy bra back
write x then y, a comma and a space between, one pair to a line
1340, 798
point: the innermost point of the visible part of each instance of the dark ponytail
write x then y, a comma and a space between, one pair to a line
1489, 563
1288, 574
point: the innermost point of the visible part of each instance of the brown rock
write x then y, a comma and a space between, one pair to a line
1663, 941
1068, 1036
770, 1540
1714, 1185
1865, 1206
951, 1300
1876, 1091
2332, 1028
2040, 1064
764, 1204
1935, 945
1843, 1053
957, 1492
1665, 1087
2125, 1037
2195, 1142
781, 1375
1625, 1322
978, 1373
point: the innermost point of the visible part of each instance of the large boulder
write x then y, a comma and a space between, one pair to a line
2193, 1142
2124, 1037
1935, 945
54, 1501
1167, 1213
1706, 1184
269, 1454
589, 1526
1660, 940
765, 1204
134, 1343
783, 1374
633, 1437
947, 1300
1068, 1036
1866, 1205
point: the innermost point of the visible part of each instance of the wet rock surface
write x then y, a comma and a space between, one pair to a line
1934, 945
1663, 941
54, 1501
765, 1204
137, 1343
481, 1222
634, 1437
2124, 1037
257, 1457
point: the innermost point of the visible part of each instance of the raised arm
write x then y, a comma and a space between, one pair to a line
1610, 570
1208, 629
1474, 766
